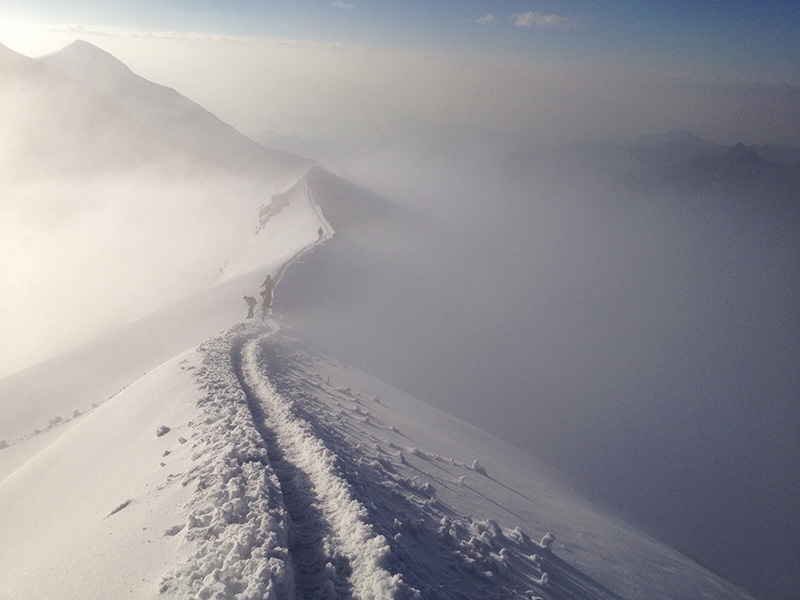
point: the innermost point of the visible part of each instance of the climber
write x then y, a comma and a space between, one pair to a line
266, 293
251, 304
266, 296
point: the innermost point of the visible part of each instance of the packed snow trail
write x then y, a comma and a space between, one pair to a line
234, 538
316, 571
334, 548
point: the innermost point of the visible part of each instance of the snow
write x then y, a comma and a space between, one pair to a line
213, 456
351, 542
281, 474
292, 221
85, 516
173, 117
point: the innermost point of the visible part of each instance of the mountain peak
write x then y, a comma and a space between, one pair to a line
88, 62
741, 156
84, 48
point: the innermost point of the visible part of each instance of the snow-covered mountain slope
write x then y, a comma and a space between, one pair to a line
453, 500
54, 125
171, 115
252, 467
52, 391
60, 535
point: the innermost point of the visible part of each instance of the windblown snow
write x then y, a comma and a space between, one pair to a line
196, 453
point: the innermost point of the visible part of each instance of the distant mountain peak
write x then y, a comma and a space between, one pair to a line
171, 116
92, 61
743, 156
83, 48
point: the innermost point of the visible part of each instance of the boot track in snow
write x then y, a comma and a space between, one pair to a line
284, 507
334, 549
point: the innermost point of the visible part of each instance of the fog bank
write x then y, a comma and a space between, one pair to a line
644, 342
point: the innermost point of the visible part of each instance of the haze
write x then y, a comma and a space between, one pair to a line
645, 343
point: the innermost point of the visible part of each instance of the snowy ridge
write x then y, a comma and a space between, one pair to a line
287, 227
326, 228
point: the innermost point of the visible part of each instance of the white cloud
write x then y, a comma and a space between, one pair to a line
537, 19
487, 19
340, 4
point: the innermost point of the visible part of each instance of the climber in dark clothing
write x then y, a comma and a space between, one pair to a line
266, 292
251, 304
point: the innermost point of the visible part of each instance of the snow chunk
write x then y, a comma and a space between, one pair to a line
174, 530
479, 468
547, 540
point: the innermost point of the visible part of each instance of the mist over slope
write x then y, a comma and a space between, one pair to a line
118, 198
638, 334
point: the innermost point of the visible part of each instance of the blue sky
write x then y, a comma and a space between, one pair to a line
727, 70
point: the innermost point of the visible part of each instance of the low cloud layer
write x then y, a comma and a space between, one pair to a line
80, 258
644, 342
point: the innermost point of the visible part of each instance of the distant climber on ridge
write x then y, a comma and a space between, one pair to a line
266, 295
251, 304
320, 232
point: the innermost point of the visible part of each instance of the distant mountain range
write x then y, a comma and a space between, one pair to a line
742, 170
678, 162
